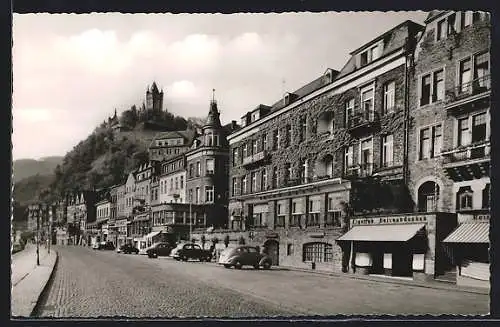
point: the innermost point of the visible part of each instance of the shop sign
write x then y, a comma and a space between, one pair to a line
272, 235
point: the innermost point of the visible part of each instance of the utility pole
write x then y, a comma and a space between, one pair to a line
38, 237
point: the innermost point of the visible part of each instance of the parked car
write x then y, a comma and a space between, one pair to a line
161, 249
188, 251
103, 246
127, 249
244, 256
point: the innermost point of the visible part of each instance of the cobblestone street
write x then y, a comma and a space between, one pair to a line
91, 283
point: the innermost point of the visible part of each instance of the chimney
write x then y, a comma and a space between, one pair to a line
233, 125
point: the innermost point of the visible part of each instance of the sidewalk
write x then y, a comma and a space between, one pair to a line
29, 280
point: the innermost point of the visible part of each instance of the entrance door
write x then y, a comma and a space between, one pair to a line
402, 262
377, 262
273, 248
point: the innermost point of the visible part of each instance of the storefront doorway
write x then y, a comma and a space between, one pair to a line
273, 248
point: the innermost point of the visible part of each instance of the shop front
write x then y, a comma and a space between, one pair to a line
468, 247
404, 246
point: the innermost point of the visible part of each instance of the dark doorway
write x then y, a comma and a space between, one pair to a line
377, 262
402, 262
273, 250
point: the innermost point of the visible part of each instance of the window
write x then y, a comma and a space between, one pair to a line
209, 194
348, 158
466, 18
389, 97
428, 195
275, 177
264, 142
296, 213
317, 252
171, 184
430, 142
253, 183
288, 135
465, 75
369, 55
438, 86
302, 128
479, 128
289, 249
482, 70
198, 197
254, 116
254, 147
303, 171
280, 215
210, 166
450, 29
441, 29
190, 195
244, 185
367, 156
464, 198
367, 103
288, 172
463, 132
263, 180
314, 212
425, 90
245, 150
387, 150
198, 169
176, 183
349, 109
235, 186
235, 157
182, 182
276, 139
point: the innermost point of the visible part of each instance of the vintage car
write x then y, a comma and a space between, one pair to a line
244, 256
186, 251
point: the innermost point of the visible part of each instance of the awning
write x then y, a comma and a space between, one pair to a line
382, 233
153, 234
470, 233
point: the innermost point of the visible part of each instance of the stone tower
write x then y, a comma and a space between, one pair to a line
154, 98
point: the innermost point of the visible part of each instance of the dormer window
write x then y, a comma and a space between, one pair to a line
328, 76
254, 116
289, 98
369, 55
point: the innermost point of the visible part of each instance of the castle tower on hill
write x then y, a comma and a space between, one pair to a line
154, 98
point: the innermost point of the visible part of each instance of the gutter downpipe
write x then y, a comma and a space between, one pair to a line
406, 112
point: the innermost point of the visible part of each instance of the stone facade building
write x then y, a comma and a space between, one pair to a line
207, 169
166, 145
449, 150
331, 149
172, 180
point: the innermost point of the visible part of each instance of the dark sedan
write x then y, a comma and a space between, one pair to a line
128, 249
159, 250
244, 256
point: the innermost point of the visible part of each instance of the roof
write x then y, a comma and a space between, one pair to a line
477, 232
186, 134
382, 233
434, 14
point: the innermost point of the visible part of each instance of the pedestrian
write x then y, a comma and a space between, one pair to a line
212, 250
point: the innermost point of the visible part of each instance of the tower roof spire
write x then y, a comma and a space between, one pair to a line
213, 114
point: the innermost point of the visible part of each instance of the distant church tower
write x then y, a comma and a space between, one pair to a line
154, 98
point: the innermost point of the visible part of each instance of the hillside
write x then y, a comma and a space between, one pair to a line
27, 189
24, 168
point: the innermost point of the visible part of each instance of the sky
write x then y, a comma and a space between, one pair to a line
70, 71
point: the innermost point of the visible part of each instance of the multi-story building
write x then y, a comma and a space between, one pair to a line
449, 148
327, 151
207, 169
170, 144
84, 212
103, 214
121, 220
172, 180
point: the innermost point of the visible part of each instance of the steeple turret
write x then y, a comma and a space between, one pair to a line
213, 119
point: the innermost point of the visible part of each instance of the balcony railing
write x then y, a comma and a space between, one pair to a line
471, 152
362, 118
255, 157
361, 170
465, 90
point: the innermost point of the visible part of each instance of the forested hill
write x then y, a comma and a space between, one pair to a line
104, 158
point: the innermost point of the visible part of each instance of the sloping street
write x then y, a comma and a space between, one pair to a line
91, 283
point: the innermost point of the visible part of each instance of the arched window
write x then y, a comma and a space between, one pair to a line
428, 194
317, 252
464, 198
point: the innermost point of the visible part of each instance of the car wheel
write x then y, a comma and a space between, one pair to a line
256, 266
227, 266
201, 259
184, 258
266, 265
176, 259
238, 265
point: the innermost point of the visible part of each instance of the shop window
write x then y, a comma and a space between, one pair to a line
317, 252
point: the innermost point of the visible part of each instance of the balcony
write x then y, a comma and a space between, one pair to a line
465, 97
467, 163
359, 171
255, 158
361, 120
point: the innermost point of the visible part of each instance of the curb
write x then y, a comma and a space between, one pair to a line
45, 289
